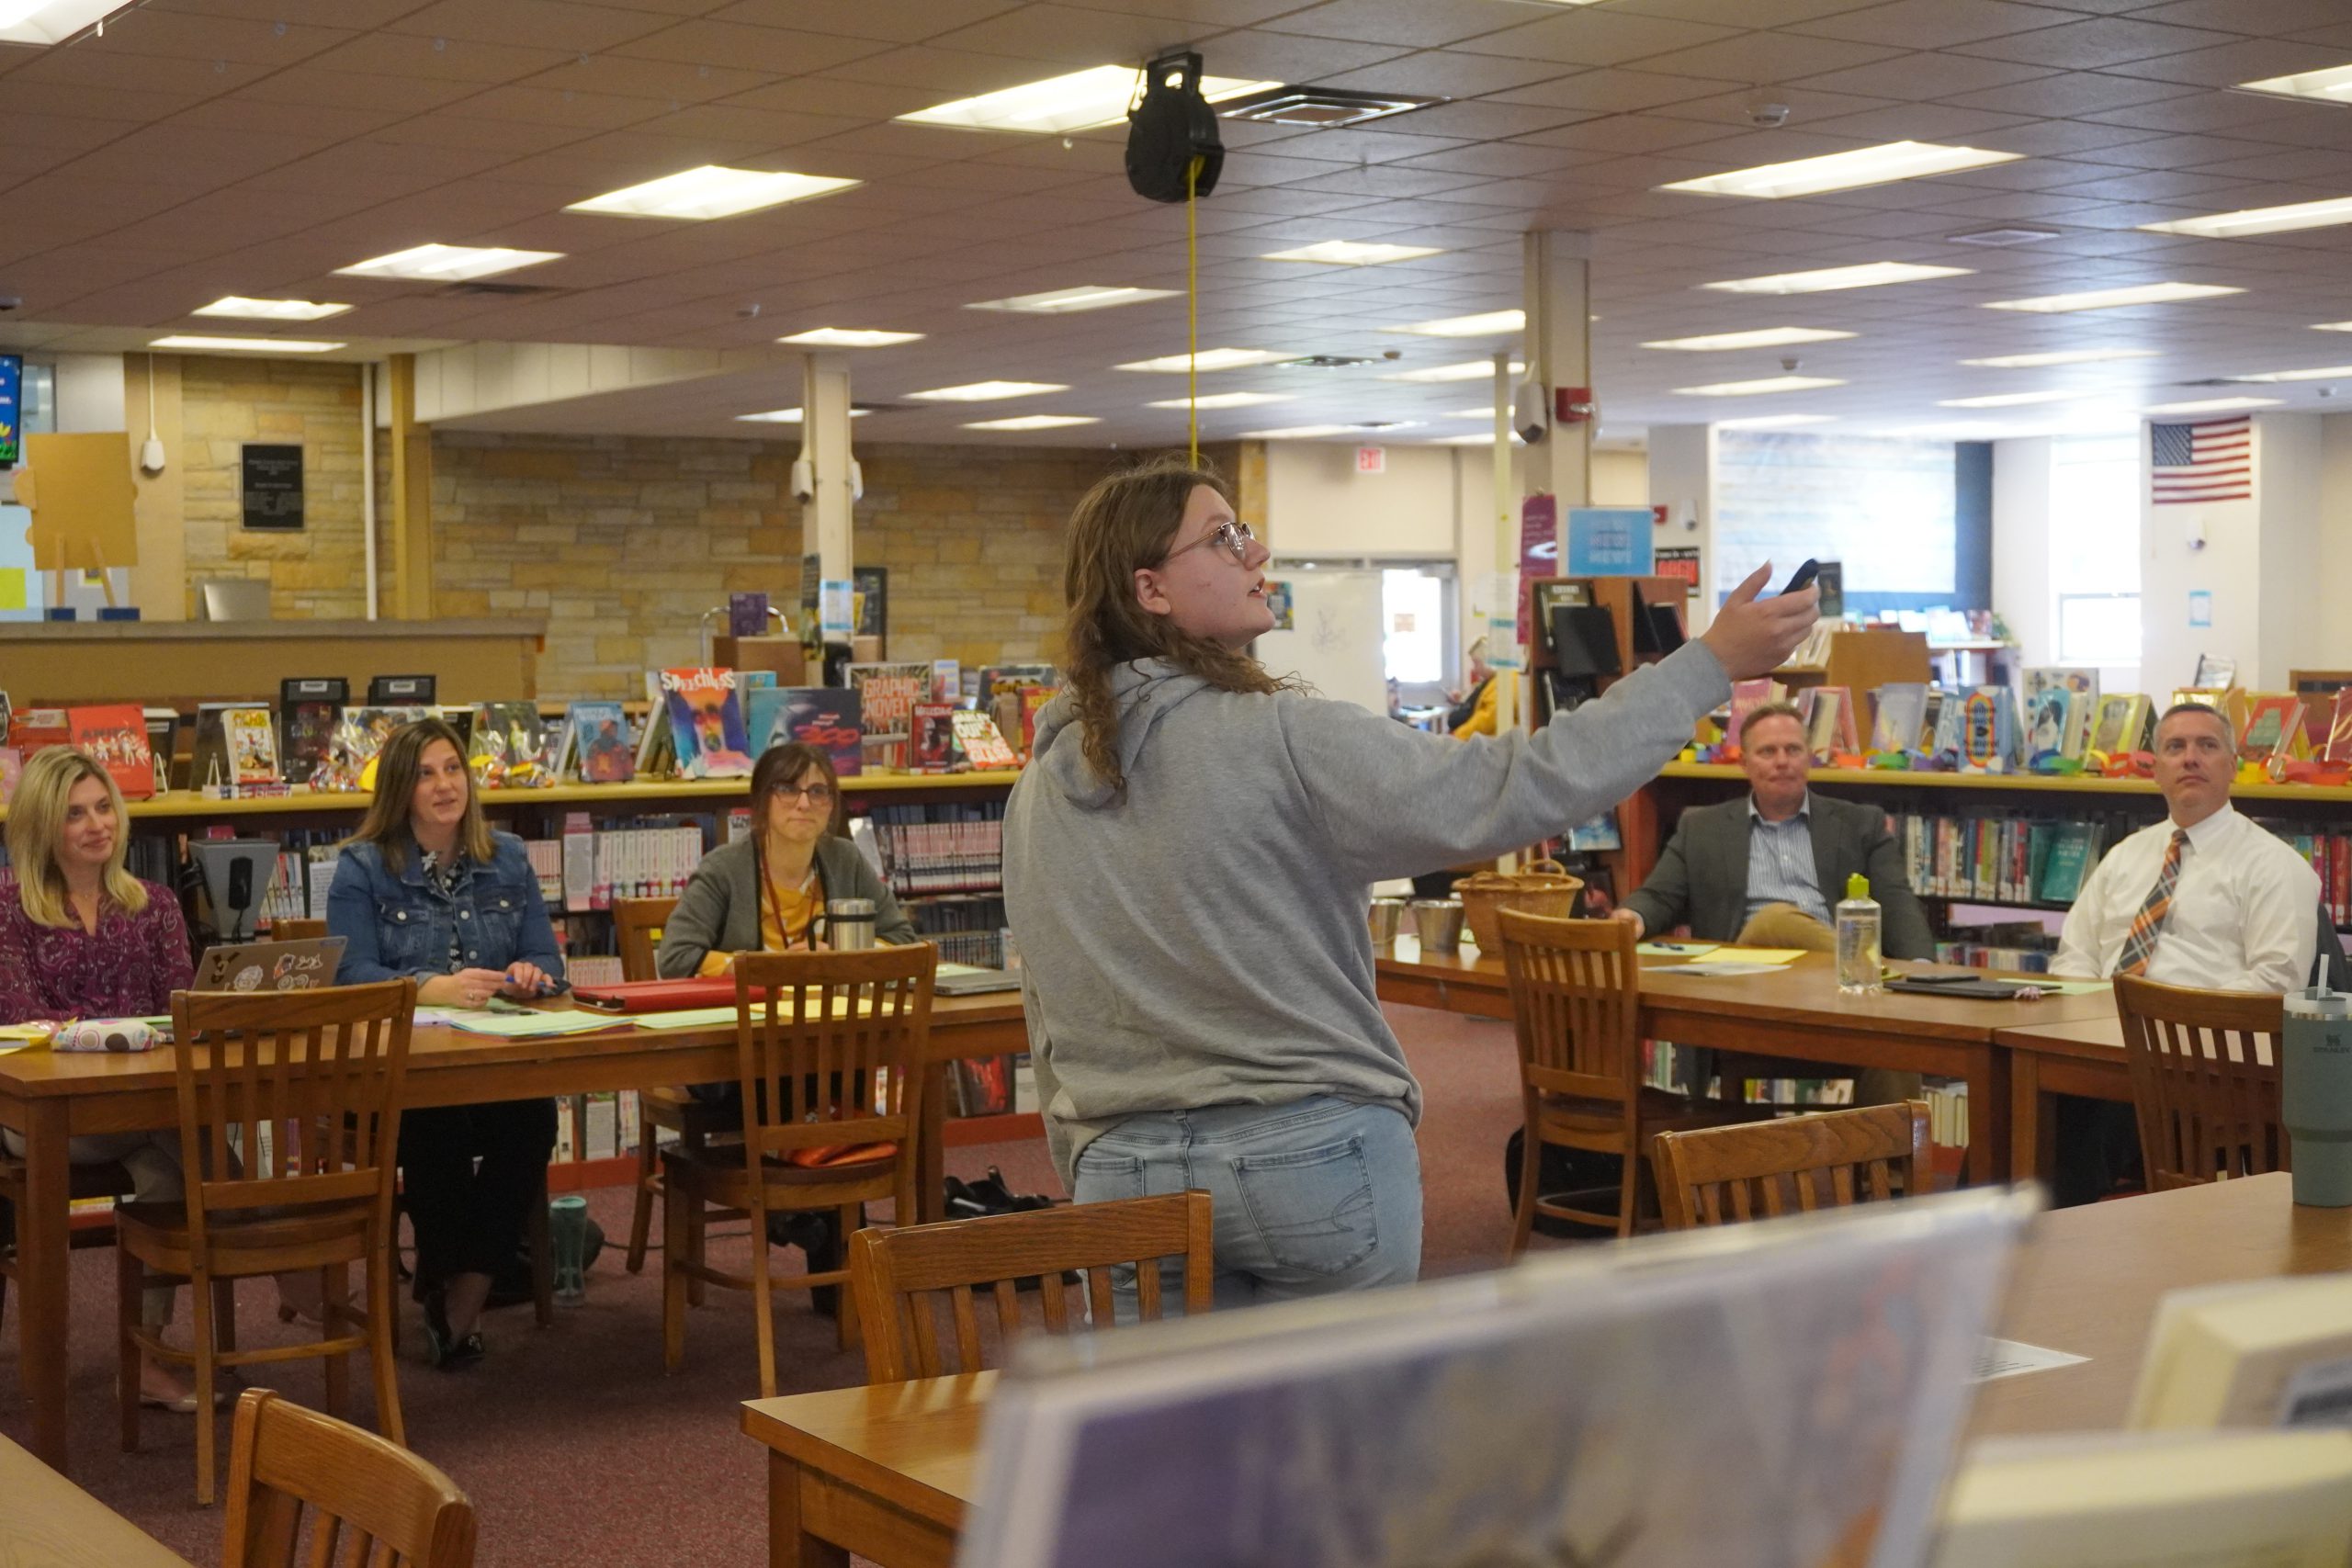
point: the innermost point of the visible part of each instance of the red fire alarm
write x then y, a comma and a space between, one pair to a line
1573, 405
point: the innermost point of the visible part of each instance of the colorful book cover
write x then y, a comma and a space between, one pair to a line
1032, 702
1828, 723
707, 724
1902, 713
2122, 724
934, 736
1932, 721
2274, 723
982, 741
2339, 729
1989, 736
599, 747
747, 614
947, 682
359, 734
12, 768
2081, 686
2049, 720
1746, 696
253, 745
887, 696
115, 737
30, 730
506, 746
306, 709
828, 718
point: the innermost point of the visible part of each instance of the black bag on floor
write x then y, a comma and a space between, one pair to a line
1560, 1171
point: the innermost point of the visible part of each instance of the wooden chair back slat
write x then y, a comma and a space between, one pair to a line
636, 930
902, 1275
831, 1054
2205, 1080
308, 1082
1729, 1175
1575, 1004
367, 1502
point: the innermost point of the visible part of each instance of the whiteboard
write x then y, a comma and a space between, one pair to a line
1336, 643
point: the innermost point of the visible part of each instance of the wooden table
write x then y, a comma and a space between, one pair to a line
2083, 1057
1797, 1011
887, 1471
47, 1097
46, 1521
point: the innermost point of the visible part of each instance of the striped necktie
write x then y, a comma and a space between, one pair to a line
2148, 924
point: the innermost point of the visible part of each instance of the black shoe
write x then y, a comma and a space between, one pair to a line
445, 1350
992, 1194
962, 1203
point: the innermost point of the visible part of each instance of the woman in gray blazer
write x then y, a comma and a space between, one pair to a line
770, 892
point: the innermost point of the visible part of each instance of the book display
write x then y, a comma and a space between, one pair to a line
115, 738
703, 717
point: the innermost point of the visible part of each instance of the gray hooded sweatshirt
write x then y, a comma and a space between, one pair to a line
1201, 940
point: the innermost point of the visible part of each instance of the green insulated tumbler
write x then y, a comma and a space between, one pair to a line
568, 1235
2315, 1094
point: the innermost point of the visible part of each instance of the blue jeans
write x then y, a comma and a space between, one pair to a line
1315, 1197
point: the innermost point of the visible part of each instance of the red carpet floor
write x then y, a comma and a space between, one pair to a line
579, 1451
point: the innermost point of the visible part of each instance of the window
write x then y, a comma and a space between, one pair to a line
2095, 549
1881, 507
39, 396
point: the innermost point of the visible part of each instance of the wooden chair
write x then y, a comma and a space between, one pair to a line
2204, 1081
903, 1276
319, 1074
1792, 1165
831, 1064
364, 1500
637, 924
293, 930
1577, 1002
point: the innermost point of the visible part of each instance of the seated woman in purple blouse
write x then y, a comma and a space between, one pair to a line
80, 937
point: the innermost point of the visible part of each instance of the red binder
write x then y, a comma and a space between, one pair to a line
660, 996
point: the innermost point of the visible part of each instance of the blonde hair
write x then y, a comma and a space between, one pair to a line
37, 831
385, 826
1125, 524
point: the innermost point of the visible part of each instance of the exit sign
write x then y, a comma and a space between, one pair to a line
1372, 459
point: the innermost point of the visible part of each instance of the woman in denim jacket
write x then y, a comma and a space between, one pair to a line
425, 888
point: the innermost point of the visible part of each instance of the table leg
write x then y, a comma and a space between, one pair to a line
2031, 1133
789, 1545
44, 1267
931, 1147
1988, 1115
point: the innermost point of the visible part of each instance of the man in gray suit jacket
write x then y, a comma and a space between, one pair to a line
1783, 853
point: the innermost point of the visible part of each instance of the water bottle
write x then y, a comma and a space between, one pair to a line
2315, 1094
568, 1238
1858, 961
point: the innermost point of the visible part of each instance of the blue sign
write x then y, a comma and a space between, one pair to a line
1609, 541
12, 383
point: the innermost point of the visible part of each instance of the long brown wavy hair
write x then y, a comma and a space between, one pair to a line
1125, 524
385, 826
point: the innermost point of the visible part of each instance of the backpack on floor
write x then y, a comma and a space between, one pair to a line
1563, 1170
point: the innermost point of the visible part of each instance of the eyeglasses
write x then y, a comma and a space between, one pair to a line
1234, 536
814, 794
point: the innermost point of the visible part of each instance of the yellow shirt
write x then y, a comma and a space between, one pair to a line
1482, 717
786, 916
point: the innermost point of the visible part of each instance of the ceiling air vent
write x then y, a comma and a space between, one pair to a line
2013, 236
1322, 108
1325, 362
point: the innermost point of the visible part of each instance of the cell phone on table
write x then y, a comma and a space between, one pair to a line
1802, 579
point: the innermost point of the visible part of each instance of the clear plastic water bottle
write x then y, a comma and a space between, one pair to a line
1857, 944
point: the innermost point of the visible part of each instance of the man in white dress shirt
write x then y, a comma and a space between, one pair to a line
2203, 898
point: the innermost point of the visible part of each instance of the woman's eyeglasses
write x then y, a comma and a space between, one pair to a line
1234, 536
817, 795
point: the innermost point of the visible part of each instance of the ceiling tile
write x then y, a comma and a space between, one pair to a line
643, 77
774, 51
1594, 37
2068, 94
1771, 57
1419, 23
2259, 17
1449, 73
2088, 46
438, 59
1933, 24
890, 21
1915, 78
1616, 92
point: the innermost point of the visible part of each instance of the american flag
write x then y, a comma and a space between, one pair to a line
2211, 459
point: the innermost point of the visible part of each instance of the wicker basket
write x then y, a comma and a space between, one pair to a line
1540, 887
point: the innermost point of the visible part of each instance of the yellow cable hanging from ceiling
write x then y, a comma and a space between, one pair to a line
1193, 310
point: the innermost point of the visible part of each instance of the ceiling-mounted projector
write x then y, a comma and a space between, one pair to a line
1170, 127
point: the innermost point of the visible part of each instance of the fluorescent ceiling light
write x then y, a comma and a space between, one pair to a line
2332, 86
1757, 388
1845, 170
1764, 337
2061, 356
44, 22
1352, 252
1476, 438
1210, 359
2008, 400
983, 391
2109, 299
1484, 325
2326, 373
269, 310
446, 264
2332, 326
710, 191
1066, 301
194, 344
2214, 405
1486, 413
849, 337
1775, 421
1463, 370
1034, 422
789, 416
1869, 275
1298, 432
1223, 400
2260, 219
1080, 101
